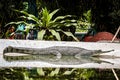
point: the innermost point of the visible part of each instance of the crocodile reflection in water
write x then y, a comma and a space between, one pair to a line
65, 60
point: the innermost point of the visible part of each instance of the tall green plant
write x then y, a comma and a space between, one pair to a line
53, 26
50, 27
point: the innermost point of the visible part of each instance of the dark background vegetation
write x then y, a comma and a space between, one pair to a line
105, 13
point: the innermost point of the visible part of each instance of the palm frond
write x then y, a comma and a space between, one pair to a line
56, 34
61, 17
70, 34
53, 13
19, 22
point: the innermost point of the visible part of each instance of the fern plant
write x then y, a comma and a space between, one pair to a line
49, 27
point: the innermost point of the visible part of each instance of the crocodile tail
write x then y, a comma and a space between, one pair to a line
8, 49
11, 49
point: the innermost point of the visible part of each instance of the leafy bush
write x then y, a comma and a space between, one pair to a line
46, 74
85, 22
48, 27
57, 74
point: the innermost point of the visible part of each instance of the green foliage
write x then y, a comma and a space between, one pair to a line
88, 16
66, 73
86, 74
85, 22
53, 26
12, 74
69, 72
46, 74
56, 74
49, 25
40, 72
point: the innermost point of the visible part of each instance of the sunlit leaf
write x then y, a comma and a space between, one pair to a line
41, 34
61, 17
55, 72
26, 76
68, 72
40, 71
52, 13
70, 34
56, 34
29, 16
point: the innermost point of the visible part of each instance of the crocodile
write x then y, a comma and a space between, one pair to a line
58, 51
